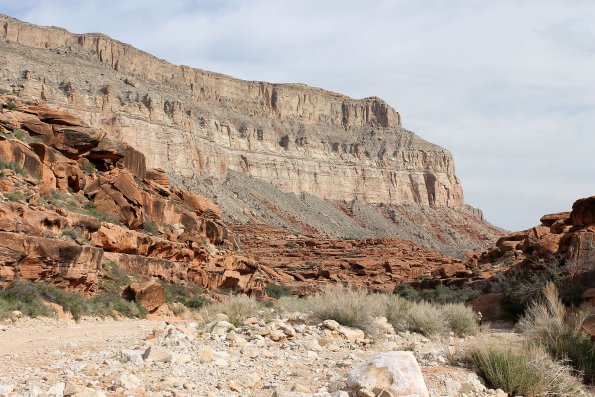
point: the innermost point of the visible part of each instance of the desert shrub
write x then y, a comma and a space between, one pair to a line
239, 308
105, 304
440, 294
23, 296
76, 234
28, 298
426, 318
348, 306
15, 195
460, 319
19, 134
395, 309
277, 290
521, 288
90, 209
12, 166
113, 277
88, 167
292, 304
4, 91
11, 105
548, 323
529, 372
150, 227
189, 296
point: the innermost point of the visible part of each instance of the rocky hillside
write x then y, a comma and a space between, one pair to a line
73, 200
564, 238
209, 131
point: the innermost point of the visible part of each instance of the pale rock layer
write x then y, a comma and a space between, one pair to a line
192, 122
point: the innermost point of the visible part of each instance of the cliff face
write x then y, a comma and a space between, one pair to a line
298, 138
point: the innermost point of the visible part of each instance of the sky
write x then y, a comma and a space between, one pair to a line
507, 86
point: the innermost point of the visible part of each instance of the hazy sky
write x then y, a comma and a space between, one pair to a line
507, 86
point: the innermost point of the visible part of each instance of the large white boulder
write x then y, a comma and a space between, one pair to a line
396, 372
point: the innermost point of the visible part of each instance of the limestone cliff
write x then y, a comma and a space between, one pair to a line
185, 120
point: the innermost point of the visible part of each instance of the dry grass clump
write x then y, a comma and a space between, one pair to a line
548, 323
426, 318
524, 370
237, 308
460, 319
356, 308
348, 306
292, 304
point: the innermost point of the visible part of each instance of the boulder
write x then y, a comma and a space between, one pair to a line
453, 269
394, 372
490, 305
550, 219
158, 175
149, 295
583, 211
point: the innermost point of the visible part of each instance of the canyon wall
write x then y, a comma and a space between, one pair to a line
195, 123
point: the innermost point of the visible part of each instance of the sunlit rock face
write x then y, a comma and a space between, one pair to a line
192, 122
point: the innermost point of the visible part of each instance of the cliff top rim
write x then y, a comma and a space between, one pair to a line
7, 18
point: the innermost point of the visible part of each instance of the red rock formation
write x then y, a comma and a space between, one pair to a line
76, 198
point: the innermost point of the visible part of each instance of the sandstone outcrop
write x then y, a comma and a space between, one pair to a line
70, 203
200, 126
566, 238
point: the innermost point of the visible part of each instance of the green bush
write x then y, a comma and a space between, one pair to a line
16, 196
19, 134
190, 295
11, 105
28, 297
426, 318
12, 166
88, 167
524, 371
150, 227
440, 294
277, 290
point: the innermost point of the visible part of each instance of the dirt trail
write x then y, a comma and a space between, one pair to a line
35, 343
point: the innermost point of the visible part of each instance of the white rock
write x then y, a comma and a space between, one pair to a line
331, 325
127, 381
157, 354
133, 356
312, 344
396, 372
56, 390
351, 334
221, 327
5, 389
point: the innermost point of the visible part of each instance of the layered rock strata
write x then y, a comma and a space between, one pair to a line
72, 199
184, 120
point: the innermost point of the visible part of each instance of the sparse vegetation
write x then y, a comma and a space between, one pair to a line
16, 195
88, 167
12, 166
239, 308
190, 296
525, 371
521, 288
277, 290
440, 294
76, 234
150, 227
28, 298
347, 306
19, 134
11, 105
426, 318
548, 323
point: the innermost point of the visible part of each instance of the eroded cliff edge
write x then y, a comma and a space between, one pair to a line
202, 127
